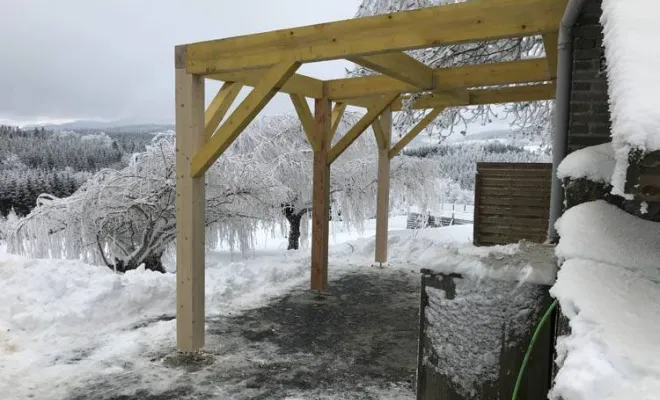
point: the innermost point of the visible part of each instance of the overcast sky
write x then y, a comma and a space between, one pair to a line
113, 59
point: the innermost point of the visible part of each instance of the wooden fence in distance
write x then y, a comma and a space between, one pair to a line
512, 202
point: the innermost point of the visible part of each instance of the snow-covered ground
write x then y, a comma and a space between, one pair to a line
609, 288
64, 324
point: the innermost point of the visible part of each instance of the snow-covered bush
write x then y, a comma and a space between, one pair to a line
123, 218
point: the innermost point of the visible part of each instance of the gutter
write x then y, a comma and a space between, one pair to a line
562, 109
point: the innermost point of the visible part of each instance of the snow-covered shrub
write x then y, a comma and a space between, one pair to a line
123, 218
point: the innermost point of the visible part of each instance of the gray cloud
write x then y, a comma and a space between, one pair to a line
114, 59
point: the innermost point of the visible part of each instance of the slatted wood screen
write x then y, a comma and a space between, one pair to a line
512, 202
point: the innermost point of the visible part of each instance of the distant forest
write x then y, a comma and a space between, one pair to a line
39, 161
458, 161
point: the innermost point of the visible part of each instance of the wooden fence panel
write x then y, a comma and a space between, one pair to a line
512, 202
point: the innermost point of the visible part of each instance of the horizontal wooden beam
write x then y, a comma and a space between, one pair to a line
504, 73
399, 66
219, 107
419, 127
298, 84
306, 119
364, 122
470, 21
487, 96
242, 116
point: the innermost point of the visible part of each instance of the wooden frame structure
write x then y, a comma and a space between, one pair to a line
267, 62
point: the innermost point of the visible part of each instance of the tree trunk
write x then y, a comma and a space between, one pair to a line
294, 231
294, 217
152, 262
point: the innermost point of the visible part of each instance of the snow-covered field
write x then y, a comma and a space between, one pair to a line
64, 324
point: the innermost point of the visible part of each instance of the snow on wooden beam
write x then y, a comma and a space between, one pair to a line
270, 82
471, 21
190, 209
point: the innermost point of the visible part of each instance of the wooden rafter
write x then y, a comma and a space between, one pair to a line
512, 72
399, 66
428, 27
219, 106
306, 119
511, 94
337, 114
360, 127
297, 84
403, 142
551, 42
487, 96
242, 116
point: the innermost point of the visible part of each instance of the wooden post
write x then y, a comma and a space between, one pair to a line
321, 197
190, 205
383, 199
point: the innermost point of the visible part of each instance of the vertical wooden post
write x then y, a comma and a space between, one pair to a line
190, 204
321, 197
383, 196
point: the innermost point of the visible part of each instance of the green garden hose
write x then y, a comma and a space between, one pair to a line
528, 354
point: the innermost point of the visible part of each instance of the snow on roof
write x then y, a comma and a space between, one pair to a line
595, 163
608, 288
630, 32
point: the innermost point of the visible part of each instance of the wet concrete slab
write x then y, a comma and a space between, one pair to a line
357, 342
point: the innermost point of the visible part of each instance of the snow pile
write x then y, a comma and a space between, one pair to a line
595, 163
467, 332
497, 297
608, 289
602, 232
64, 324
523, 262
630, 30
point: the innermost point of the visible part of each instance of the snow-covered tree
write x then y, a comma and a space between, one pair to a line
124, 218
531, 118
280, 142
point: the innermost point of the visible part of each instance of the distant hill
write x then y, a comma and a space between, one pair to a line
109, 127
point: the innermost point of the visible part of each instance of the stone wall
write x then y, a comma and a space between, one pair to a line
589, 112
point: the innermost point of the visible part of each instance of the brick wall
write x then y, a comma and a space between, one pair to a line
589, 114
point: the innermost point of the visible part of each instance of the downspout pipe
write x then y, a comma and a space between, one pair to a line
562, 109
